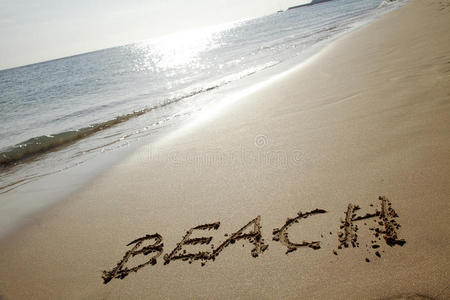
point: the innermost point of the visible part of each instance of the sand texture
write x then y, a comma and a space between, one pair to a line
330, 182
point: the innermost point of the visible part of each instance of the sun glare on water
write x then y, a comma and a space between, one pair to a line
178, 51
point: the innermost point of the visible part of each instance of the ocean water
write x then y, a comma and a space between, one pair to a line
62, 113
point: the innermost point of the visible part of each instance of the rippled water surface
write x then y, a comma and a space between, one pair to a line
61, 113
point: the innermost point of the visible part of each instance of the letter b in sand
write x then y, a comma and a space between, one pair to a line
120, 271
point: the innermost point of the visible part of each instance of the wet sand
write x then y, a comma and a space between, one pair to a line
330, 182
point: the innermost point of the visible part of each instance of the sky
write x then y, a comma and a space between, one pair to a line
38, 30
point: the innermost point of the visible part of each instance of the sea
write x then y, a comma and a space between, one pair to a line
60, 114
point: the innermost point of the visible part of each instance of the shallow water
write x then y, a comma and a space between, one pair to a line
62, 113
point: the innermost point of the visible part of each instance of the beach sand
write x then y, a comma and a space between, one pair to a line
368, 116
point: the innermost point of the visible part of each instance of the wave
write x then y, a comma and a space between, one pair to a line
386, 3
46, 143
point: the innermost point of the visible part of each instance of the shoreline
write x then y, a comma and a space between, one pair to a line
19, 214
367, 118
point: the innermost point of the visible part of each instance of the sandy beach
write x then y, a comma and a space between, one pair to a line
368, 116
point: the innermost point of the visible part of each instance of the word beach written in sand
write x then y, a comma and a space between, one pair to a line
385, 226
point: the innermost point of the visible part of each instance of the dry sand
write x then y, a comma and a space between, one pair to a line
369, 116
